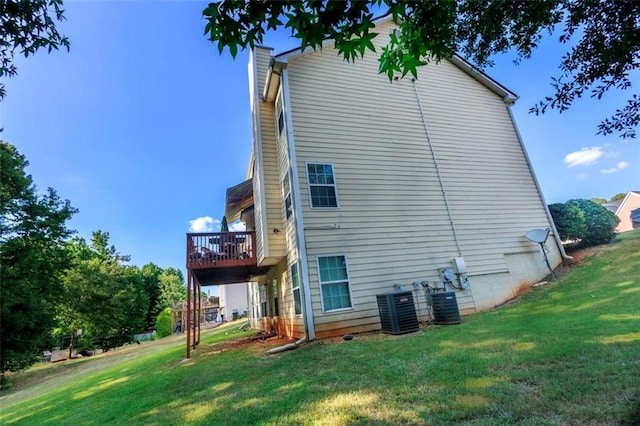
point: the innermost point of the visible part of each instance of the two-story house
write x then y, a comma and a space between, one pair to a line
359, 186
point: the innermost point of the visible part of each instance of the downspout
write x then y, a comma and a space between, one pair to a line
188, 318
435, 163
566, 259
307, 311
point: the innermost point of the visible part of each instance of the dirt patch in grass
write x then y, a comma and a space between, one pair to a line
257, 345
580, 254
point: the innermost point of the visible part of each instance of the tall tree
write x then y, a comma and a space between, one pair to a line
103, 297
150, 275
26, 27
172, 288
33, 258
603, 38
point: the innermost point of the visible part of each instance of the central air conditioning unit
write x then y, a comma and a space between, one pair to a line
397, 312
445, 308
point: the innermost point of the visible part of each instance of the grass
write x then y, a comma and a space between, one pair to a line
566, 353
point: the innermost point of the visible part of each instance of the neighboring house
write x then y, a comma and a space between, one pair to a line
623, 209
233, 298
358, 186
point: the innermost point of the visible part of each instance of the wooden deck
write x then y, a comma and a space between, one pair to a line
222, 257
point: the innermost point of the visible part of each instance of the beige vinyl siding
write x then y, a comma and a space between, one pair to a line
492, 195
283, 167
273, 249
286, 323
288, 225
392, 221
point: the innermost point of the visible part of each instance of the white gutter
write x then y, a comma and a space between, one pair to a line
267, 83
507, 95
565, 257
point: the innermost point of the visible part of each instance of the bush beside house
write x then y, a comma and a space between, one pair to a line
164, 323
584, 221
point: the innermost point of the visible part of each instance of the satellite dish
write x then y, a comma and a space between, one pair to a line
538, 235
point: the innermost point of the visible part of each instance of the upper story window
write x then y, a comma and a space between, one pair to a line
286, 194
322, 185
334, 282
280, 115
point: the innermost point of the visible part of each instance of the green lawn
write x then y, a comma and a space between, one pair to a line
566, 353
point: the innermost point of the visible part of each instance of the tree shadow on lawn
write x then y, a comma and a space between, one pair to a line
446, 374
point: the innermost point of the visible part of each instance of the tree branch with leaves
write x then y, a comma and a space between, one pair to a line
603, 38
27, 26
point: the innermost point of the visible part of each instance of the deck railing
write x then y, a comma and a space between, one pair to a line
220, 249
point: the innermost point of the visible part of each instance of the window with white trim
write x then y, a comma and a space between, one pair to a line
276, 302
280, 112
286, 194
322, 185
263, 300
295, 287
334, 282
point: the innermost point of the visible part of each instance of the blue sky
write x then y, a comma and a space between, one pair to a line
143, 126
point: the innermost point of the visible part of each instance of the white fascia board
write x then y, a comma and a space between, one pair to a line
252, 158
507, 95
254, 99
624, 201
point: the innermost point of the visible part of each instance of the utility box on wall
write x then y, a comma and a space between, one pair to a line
397, 312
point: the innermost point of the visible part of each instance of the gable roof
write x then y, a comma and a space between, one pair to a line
613, 205
627, 199
507, 95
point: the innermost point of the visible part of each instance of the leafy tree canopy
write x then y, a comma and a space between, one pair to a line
600, 222
25, 28
33, 258
164, 287
172, 287
102, 296
570, 221
603, 38
619, 196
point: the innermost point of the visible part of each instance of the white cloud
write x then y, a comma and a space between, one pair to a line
203, 224
582, 176
621, 165
209, 224
584, 157
237, 227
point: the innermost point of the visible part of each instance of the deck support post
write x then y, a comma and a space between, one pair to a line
188, 318
199, 311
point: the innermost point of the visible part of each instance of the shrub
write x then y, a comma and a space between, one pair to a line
570, 221
601, 223
164, 323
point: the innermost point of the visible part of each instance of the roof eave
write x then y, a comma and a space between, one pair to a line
507, 95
